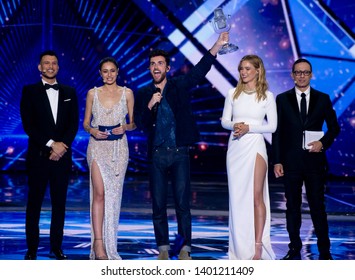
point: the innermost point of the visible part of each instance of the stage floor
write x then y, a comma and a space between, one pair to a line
135, 234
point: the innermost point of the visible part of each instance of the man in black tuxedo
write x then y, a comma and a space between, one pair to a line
299, 162
50, 117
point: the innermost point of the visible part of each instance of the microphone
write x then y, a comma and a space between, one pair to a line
155, 106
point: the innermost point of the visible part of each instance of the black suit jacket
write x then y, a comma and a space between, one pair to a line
287, 141
38, 122
177, 93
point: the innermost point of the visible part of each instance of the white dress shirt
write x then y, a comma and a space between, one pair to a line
298, 96
53, 96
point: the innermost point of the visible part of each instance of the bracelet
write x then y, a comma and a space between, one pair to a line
87, 128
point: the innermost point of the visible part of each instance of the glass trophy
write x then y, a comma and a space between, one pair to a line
221, 24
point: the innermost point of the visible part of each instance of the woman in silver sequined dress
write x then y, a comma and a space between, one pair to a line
108, 115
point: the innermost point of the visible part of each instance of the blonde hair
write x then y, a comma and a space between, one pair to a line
261, 83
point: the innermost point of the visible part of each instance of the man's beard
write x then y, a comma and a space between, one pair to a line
162, 78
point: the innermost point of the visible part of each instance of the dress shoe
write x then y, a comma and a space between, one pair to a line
57, 254
325, 256
184, 255
30, 256
163, 255
292, 254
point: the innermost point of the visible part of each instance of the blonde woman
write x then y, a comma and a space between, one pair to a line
245, 110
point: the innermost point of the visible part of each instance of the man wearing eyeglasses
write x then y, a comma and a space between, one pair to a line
300, 160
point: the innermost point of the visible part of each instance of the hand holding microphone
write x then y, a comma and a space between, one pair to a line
156, 95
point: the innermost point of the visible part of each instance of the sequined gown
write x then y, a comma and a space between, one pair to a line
241, 157
112, 160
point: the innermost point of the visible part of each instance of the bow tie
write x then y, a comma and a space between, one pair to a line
48, 86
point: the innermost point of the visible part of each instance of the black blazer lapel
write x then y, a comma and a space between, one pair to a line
294, 104
61, 97
45, 102
313, 97
64, 98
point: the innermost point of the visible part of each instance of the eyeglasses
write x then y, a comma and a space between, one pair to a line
299, 73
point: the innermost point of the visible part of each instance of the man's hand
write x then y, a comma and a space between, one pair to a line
222, 40
156, 98
278, 170
58, 150
316, 146
54, 156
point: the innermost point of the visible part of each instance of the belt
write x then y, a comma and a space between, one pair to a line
172, 148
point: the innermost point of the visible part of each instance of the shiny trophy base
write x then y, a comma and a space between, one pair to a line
228, 48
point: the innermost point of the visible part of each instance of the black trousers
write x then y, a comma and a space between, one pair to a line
41, 173
313, 178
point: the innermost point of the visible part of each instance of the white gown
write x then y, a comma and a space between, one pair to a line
112, 160
241, 157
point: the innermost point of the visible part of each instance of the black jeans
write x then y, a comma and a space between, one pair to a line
176, 163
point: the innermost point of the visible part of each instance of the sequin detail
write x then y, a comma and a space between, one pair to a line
112, 160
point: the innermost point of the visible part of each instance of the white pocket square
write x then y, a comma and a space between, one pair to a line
65, 100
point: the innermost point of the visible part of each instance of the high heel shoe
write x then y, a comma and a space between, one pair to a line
99, 257
258, 251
